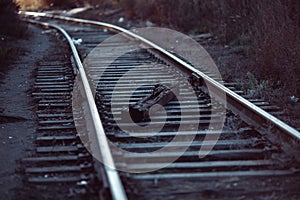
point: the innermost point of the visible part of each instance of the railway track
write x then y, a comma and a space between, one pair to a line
185, 151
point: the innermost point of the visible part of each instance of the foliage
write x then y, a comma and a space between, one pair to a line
270, 29
10, 29
277, 43
256, 89
9, 19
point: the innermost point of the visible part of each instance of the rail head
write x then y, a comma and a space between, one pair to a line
116, 187
234, 101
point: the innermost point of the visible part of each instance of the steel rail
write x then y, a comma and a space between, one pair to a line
249, 112
116, 187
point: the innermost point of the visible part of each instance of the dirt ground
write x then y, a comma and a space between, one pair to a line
17, 116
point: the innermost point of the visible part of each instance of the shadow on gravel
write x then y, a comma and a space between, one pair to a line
11, 119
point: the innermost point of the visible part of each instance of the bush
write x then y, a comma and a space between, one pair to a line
10, 28
277, 43
9, 19
270, 29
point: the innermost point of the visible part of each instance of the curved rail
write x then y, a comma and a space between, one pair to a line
116, 187
249, 112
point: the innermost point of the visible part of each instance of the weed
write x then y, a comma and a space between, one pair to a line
256, 89
9, 19
268, 31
